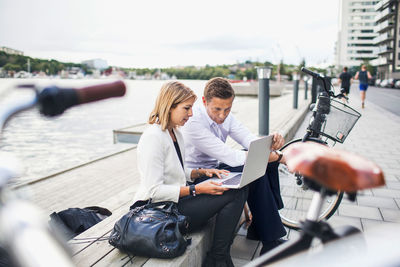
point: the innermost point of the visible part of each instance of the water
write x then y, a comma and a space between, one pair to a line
46, 146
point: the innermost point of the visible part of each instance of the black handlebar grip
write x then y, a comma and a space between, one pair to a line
54, 101
311, 73
102, 91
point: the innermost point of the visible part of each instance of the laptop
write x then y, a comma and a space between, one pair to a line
254, 167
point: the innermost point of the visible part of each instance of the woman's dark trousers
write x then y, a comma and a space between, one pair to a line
227, 208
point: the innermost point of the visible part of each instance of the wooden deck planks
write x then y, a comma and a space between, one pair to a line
86, 186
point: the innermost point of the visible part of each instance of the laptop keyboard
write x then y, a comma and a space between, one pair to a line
233, 181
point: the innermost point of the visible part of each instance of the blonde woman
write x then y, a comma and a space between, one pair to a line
163, 176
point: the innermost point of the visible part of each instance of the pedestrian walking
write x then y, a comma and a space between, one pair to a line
345, 80
363, 75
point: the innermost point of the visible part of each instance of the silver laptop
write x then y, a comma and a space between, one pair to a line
254, 167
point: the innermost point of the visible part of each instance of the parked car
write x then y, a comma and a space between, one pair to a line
390, 83
384, 83
378, 82
397, 84
372, 80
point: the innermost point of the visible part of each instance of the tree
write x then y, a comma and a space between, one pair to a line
12, 67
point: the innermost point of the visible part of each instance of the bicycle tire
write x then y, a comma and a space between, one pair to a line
297, 198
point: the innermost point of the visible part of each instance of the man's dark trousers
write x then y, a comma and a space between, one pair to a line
264, 201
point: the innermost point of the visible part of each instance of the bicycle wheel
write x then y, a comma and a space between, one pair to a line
296, 196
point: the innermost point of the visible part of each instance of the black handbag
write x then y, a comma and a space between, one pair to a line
152, 231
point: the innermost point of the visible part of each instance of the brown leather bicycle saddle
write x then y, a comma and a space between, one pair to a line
333, 168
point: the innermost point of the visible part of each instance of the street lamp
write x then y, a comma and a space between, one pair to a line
263, 73
305, 78
296, 77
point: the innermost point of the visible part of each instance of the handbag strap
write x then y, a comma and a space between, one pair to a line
170, 206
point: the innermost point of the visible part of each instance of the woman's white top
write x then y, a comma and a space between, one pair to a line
161, 172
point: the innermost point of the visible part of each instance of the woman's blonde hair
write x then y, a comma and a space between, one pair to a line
171, 94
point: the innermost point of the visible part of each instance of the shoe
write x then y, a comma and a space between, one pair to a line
267, 246
252, 233
362, 105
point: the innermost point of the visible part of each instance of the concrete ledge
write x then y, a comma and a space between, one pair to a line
129, 134
290, 128
195, 253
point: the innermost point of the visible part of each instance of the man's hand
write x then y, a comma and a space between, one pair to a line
277, 142
216, 172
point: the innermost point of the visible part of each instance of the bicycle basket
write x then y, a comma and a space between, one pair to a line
340, 121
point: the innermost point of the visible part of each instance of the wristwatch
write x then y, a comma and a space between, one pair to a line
280, 155
192, 190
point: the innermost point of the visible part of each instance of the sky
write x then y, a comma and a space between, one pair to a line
166, 33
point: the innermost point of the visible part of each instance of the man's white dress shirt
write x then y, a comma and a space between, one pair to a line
205, 145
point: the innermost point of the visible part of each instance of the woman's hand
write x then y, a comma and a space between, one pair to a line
216, 172
211, 188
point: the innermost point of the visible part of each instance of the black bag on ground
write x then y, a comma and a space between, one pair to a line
151, 231
73, 221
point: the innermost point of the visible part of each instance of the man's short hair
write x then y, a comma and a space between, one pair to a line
345, 69
218, 87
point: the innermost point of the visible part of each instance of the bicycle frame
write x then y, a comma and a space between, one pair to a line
23, 229
311, 229
24, 232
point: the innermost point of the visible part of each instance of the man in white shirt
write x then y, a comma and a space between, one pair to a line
205, 135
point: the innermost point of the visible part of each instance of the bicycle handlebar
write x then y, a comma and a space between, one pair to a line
311, 73
318, 76
54, 101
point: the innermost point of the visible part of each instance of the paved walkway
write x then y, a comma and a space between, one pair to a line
376, 136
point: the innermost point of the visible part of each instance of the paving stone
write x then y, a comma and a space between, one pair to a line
370, 224
293, 234
397, 202
388, 171
243, 248
258, 250
346, 200
337, 221
242, 230
391, 178
382, 192
390, 215
359, 212
379, 202
239, 262
392, 184
367, 192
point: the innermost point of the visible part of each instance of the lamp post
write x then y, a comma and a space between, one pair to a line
295, 89
263, 73
305, 78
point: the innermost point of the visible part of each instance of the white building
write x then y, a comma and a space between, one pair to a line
356, 33
99, 64
11, 51
387, 41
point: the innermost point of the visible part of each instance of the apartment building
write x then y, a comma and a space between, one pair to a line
98, 63
356, 33
11, 51
387, 41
